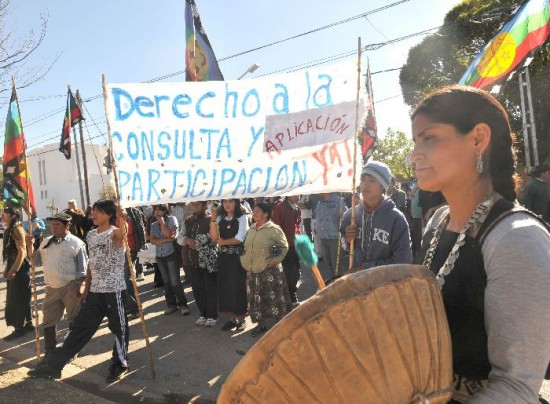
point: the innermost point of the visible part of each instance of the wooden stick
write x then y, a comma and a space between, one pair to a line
125, 239
339, 245
318, 277
352, 242
33, 275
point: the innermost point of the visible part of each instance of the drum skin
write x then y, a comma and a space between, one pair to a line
374, 336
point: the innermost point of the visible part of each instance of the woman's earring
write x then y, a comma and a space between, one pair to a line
479, 165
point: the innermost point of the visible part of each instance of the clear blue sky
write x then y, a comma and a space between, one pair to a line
134, 41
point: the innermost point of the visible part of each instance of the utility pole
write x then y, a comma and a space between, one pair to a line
528, 117
84, 164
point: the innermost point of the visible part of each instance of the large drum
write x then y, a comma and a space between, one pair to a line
376, 336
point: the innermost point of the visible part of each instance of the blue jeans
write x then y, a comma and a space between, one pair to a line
170, 272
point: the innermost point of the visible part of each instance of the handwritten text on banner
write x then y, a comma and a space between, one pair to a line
207, 140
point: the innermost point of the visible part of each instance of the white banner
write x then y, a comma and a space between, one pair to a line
206, 140
309, 128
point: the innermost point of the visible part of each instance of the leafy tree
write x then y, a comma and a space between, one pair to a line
107, 192
394, 150
441, 59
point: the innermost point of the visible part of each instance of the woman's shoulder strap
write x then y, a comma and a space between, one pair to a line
501, 210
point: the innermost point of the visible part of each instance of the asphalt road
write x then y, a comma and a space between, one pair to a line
191, 362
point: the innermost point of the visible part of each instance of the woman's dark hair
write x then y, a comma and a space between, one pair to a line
265, 207
238, 211
464, 108
13, 211
161, 206
8, 242
108, 207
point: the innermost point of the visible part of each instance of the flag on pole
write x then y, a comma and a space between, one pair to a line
524, 33
200, 62
17, 179
368, 130
73, 115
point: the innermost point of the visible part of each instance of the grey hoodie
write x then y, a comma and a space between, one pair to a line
383, 236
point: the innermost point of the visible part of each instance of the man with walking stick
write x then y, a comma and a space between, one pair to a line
64, 261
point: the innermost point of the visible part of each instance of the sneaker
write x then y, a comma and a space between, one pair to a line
201, 320
17, 333
133, 315
259, 330
28, 326
229, 325
184, 310
210, 322
140, 277
170, 310
44, 371
115, 371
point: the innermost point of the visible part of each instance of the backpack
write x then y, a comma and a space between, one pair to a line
511, 209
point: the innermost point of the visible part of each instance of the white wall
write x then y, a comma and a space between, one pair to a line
55, 178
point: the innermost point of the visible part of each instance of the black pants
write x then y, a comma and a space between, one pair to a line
130, 302
18, 297
205, 290
307, 227
291, 268
87, 322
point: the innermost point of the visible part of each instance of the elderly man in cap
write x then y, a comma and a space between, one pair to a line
380, 231
64, 260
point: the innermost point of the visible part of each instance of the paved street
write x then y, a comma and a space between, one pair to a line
191, 362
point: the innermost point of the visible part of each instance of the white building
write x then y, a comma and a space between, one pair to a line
55, 179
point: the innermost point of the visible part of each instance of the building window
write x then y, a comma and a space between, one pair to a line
44, 171
40, 171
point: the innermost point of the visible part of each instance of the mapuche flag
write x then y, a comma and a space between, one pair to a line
369, 130
73, 115
200, 62
17, 179
525, 32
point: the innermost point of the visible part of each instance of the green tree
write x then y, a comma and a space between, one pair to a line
107, 192
394, 150
441, 59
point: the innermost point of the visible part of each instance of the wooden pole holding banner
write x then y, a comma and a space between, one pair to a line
352, 242
125, 239
29, 227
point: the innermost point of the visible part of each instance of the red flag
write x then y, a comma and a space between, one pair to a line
368, 131
17, 179
73, 115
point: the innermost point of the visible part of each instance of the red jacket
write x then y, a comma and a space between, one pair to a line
288, 219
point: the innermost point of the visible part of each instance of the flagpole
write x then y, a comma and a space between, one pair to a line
33, 274
352, 242
125, 238
77, 164
84, 163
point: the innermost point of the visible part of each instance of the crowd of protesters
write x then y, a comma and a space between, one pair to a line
237, 255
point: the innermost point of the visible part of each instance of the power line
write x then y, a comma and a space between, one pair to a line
53, 150
315, 30
369, 47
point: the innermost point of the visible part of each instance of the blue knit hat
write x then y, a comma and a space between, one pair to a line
379, 171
